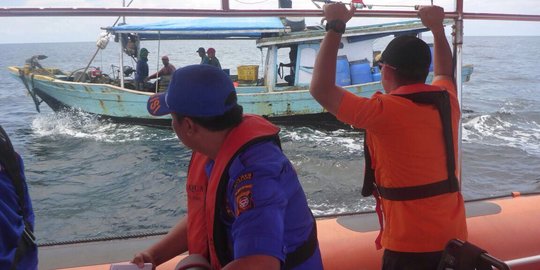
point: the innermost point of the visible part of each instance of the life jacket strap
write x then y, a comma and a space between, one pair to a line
418, 192
378, 210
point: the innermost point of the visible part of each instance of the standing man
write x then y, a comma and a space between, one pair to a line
18, 250
292, 65
411, 139
142, 69
212, 59
202, 53
246, 207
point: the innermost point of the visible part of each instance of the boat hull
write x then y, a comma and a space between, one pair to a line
507, 227
282, 105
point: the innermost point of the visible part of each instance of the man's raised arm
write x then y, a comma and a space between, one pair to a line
323, 87
432, 17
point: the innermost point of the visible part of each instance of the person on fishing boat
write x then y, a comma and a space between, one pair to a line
212, 59
18, 249
292, 65
246, 207
167, 69
163, 75
411, 139
204, 58
142, 69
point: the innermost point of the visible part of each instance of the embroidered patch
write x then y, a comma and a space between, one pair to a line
242, 178
154, 104
244, 200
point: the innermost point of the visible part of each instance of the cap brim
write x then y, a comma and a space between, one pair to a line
157, 106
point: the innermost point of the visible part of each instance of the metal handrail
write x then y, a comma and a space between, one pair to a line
172, 12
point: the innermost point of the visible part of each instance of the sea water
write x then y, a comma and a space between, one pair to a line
93, 178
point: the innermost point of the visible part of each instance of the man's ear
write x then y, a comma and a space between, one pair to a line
191, 126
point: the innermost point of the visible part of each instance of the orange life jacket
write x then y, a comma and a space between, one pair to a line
205, 194
441, 101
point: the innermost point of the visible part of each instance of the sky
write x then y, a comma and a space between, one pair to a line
77, 29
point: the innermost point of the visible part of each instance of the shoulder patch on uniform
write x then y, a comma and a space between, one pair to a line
242, 178
244, 200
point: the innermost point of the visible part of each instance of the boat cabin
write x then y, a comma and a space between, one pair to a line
294, 50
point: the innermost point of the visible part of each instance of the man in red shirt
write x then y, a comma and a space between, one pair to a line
411, 139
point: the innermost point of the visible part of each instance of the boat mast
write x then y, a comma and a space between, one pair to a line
225, 5
100, 48
121, 75
157, 61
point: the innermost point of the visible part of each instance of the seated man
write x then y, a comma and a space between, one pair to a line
167, 70
246, 207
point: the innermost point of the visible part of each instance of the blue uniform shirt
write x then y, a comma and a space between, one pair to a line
11, 223
266, 211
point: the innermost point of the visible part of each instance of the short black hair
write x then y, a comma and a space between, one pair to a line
410, 56
229, 119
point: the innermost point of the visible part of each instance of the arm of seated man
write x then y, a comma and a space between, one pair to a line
258, 203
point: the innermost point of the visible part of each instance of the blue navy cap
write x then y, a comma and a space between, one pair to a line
196, 90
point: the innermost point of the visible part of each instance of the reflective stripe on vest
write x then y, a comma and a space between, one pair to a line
441, 101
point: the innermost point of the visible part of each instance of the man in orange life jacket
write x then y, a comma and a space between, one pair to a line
411, 139
246, 207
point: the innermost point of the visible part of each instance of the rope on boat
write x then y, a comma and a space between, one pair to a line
101, 239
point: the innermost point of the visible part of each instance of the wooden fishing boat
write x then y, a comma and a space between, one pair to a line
282, 102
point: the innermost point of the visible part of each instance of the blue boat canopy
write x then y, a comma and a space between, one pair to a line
205, 28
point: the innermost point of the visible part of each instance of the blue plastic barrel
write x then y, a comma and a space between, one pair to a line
361, 72
376, 73
343, 73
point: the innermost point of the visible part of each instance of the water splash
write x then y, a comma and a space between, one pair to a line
349, 140
78, 124
504, 128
